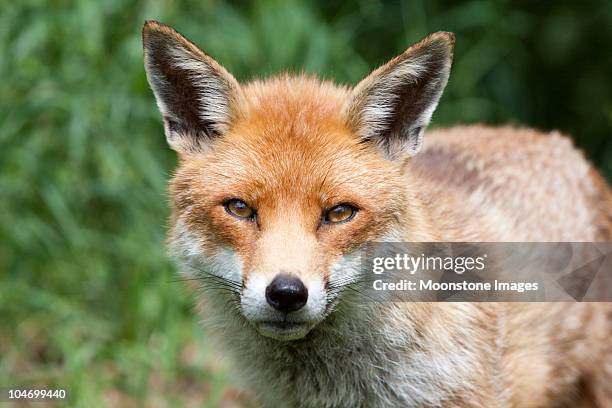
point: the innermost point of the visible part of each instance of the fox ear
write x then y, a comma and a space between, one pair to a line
195, 95
393, 105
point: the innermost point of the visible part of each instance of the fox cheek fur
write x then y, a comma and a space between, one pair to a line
281, 181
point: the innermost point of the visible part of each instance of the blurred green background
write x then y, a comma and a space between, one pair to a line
88, 298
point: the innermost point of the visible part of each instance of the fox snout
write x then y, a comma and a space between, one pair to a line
284, 306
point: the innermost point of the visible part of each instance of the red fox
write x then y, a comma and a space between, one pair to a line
280, 181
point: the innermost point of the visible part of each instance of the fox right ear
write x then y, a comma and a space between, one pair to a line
195, 95
392, 106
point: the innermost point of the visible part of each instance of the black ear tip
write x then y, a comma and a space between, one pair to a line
445, 37
152, 26
440, 43
149, 24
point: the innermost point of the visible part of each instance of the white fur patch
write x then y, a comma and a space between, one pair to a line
347, 269
186, 248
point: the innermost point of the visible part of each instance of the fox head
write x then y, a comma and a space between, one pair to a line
281, 181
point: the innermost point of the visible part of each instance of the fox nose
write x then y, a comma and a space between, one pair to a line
286, 293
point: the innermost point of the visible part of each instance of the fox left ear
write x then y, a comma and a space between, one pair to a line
196, 96
393, 105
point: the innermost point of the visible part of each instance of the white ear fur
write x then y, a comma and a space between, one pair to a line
392, 106
195, 95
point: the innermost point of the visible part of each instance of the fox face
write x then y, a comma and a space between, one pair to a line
280, 182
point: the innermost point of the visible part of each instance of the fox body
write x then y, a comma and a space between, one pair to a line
281, 181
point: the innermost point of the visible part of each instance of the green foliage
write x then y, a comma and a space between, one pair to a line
87, 296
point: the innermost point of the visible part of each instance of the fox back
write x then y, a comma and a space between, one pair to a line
281, 181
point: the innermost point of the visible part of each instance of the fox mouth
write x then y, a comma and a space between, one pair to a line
283, 330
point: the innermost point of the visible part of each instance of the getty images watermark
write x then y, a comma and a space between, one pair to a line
521, 272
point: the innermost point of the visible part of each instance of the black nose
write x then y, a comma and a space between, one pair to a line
286, 293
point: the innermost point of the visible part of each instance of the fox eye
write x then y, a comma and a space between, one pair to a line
239, 209
339, 213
